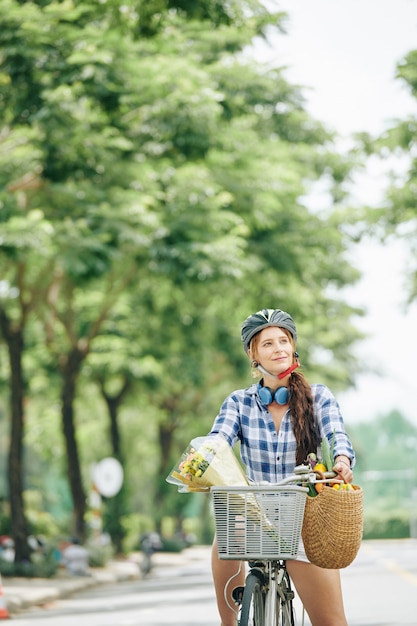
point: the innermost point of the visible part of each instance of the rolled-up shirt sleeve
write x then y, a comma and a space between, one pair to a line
228, 419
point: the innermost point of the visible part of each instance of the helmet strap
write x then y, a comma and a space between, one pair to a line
283, 374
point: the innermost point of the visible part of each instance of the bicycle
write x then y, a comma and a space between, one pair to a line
262, 524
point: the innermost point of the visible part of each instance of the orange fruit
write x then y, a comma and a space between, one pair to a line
319, 487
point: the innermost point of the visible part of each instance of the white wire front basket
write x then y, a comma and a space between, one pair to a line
259, 522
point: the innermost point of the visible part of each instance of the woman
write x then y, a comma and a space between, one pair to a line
278, 422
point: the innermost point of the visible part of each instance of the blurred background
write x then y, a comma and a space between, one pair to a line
166, 168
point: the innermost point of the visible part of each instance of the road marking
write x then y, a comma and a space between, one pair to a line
396, 569
392, 566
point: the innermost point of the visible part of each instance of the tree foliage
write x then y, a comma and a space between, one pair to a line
397, 215
153, 182
386, 467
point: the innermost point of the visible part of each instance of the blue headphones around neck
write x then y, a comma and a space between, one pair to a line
280, 395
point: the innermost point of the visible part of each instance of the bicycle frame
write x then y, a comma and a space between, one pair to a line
279, 595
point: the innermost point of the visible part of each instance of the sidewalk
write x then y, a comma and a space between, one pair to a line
22, 593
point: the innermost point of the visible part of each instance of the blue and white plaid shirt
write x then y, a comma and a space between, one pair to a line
267, 454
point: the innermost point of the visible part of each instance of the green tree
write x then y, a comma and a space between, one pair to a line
397, 214
386, 466
162, 168
23, 289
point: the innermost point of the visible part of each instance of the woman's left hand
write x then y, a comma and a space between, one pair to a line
342, 469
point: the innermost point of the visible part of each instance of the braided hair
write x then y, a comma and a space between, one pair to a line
302, 417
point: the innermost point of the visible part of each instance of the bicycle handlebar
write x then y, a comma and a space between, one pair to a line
303, 473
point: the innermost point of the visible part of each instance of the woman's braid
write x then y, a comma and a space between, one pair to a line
303, 421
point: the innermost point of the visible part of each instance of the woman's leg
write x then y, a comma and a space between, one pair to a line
320, 591
222, 572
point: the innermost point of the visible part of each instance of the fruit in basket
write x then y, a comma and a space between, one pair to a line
325, 464
319, 467
343, 487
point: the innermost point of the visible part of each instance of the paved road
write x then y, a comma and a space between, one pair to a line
380, 589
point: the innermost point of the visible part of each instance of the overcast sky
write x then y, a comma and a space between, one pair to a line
345, 52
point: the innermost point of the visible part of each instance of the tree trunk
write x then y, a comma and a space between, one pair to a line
14, 340
165, 436
113, 403
70, 371
117, 505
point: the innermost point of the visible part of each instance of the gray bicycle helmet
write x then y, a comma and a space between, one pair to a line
264, 318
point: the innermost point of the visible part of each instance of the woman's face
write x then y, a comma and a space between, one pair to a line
273, 349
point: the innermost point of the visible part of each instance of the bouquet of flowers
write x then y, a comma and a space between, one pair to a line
207, 462
210, 462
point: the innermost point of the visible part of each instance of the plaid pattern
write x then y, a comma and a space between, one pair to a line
267, 454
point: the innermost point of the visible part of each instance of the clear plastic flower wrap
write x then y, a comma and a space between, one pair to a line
207, 462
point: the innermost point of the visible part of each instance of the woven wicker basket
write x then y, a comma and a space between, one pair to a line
333, 526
